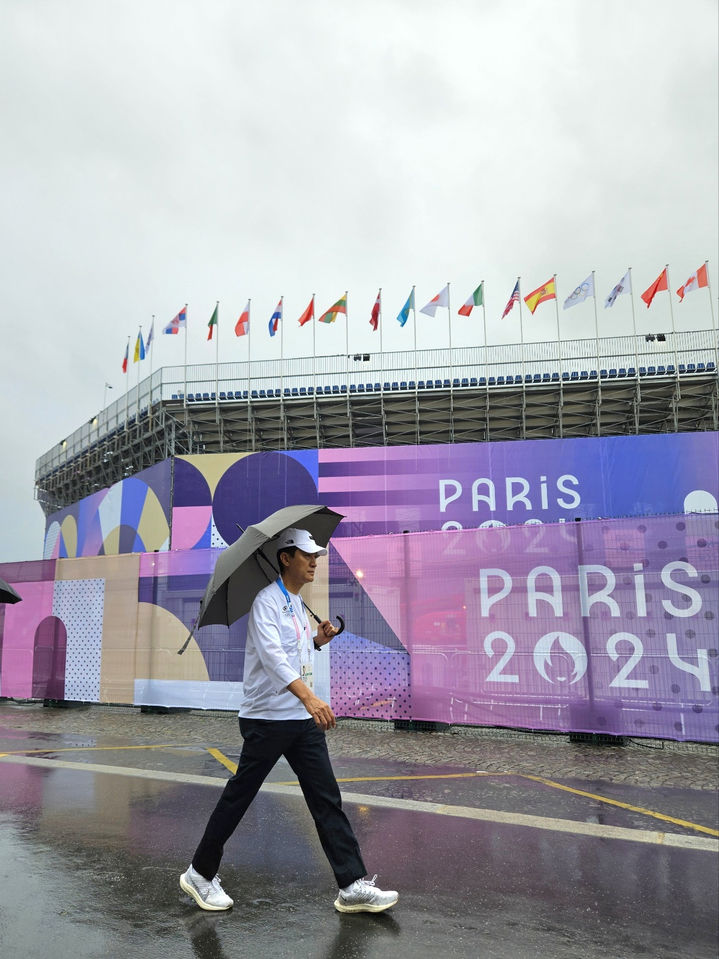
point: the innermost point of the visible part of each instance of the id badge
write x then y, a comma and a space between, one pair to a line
306, 675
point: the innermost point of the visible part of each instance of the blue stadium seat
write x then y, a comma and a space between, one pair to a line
661, 371
612, 374
691, 368
631, 371
584, 374
574, 375
446, 384
711, 366
343, 388
263, 394
546, 378
555, 377
651, 370
206, 397
642, 371
455, 383
500, 381
671, 369
353, 387
295, 391
377, 388
402, 385
395, 385
411, 385
537, 378
175, 396
621, 372
420, 385
482, 381
527, 377
386, 386
603, 374
565, 376
491, 381
303, 391
360, 387
254, 394
473, 381
701, 367
368, 388
335, 388
465, 381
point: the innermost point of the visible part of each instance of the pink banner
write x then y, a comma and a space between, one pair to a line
606, 626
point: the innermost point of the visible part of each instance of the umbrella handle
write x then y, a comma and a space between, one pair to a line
342, 625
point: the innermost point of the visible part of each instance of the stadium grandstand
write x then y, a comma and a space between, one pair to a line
651, 383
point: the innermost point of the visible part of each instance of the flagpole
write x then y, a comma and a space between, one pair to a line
414, 314
381, 353
671, 315
596, 318
521, 330
451, 358
184, 394
249, 360
556, 310
314, 330
139, 361
152, 331
347, 345
282, 349
127, 382
484, 327
634, 322
711, 307
217, 355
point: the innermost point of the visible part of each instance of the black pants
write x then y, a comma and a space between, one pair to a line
304, 746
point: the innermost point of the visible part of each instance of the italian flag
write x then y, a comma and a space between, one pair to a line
696, 281
476, 299
213, 322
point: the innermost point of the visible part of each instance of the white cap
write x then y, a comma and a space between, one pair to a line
301, 539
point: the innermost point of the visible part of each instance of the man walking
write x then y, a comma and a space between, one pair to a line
282, 716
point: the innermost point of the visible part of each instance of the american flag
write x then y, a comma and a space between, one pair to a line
514, 298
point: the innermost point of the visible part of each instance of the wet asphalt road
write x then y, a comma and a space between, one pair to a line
94, 835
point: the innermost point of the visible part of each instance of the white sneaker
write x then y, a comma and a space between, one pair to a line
364, 896
207, 894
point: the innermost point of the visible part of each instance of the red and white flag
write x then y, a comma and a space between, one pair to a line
697, 280
441, 299
242, 326
374, 318
658, 286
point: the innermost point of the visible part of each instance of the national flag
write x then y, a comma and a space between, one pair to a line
581, 293
334, 311
150, 335
275, 319
213, 322
441, 299
696, 281
476, 299
374, 317
139, 348
127, 356
403, 314
514, 298
243, 324
542, 293
624, 286
659, 285
309, 313
178, 322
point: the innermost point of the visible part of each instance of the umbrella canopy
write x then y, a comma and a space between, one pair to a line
8, 594
240, 573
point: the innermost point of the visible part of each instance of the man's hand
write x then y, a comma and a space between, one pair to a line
316, 707
325, 632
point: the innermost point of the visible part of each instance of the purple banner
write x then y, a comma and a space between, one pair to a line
607, 626
468, 485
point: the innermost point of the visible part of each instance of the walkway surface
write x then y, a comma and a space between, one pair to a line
502, 845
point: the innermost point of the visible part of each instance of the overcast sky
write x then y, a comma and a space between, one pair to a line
154, 153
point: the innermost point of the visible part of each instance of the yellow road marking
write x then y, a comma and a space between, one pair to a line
623, 805
221, 758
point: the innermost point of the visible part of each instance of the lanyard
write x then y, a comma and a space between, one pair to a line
305, 654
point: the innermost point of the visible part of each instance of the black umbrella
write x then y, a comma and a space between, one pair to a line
244, 568
8, 594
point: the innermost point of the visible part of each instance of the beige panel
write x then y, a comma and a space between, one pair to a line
213, 465
160, 634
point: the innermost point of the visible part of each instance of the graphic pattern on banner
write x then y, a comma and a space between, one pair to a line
79, 604
604, 626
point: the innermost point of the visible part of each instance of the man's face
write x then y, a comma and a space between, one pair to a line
301, 567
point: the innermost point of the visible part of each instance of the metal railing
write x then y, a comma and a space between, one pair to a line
569, 356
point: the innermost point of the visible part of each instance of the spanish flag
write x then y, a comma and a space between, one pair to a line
546, 292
